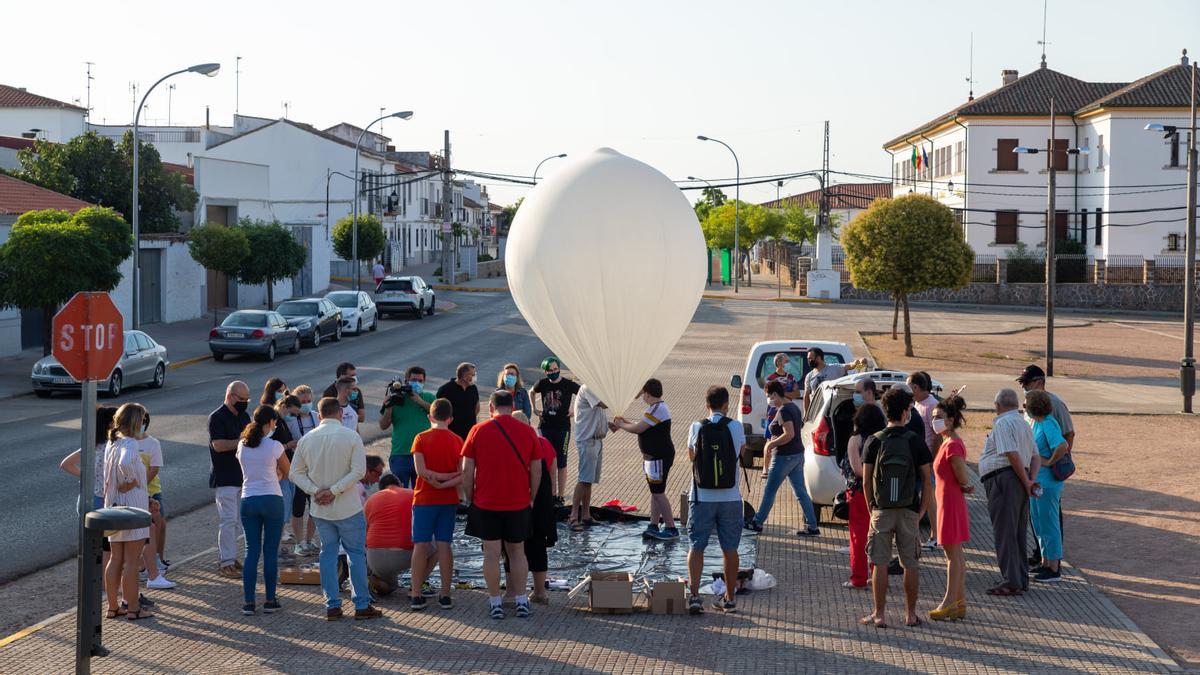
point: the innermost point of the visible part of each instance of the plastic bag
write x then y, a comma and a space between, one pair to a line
761, 581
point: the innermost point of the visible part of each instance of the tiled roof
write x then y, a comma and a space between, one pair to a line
17, 197
188, 173
15, 143
841, 196
1168, 88
18, 97
303, 127
470, 203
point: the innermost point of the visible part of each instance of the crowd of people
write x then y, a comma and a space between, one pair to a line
292, 474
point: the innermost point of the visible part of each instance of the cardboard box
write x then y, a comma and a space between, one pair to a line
611, 592
668, 597
306, 575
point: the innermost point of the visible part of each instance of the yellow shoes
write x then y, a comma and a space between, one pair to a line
952, 613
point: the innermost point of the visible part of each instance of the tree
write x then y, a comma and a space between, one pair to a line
370, 237
799, 225
755, 224
275, 254
710, 198
504, 222
218, 247
93, 168
94, 240
907, 245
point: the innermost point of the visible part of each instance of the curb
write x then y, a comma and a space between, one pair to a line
822, 301
188, 362
470, 289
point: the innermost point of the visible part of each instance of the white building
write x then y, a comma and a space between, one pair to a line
27, 115
1101, 199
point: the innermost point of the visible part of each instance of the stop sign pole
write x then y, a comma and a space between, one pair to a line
88, 340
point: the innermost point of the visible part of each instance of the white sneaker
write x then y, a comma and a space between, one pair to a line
299, 549
314, 548
160, 583
287, 536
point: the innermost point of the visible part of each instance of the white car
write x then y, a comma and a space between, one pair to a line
405, 294
358, 311
828, 426
761, 363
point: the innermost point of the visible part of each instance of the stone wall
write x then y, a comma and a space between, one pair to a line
1142, 297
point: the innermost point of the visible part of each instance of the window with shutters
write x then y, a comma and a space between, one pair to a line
1006, 227
1060, 154
1006, 159
1174, 242
1099, 223
1084, 160
1100, 154
1060, 226
1174, 143
958, 157
1083, 226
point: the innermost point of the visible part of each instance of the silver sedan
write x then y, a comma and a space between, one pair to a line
144, 362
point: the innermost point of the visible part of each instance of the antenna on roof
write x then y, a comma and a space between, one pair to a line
286, 105
133, 91
1043, 42
971, 71
89, 65
237, 85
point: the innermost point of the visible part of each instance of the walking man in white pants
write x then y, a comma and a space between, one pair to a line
225, 425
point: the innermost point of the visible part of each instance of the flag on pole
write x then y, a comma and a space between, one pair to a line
924, 157
915, 160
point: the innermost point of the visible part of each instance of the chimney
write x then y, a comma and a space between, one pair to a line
206, 126
1007, 77
1183, 60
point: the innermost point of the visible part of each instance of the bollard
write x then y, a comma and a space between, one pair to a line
1187, 381
91, 579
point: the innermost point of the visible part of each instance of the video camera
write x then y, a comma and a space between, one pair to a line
397, 393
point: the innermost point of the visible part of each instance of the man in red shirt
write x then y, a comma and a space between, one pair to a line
389, 535
500, 479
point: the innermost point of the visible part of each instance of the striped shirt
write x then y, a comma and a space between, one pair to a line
1010, 433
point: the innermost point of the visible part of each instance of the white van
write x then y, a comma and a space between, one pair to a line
761, 363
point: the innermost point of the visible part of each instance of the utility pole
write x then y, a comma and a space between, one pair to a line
1051, 223
1187, 367
447, 208
823, 214
170, 92
237, 86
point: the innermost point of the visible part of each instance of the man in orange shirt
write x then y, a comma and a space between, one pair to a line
435, 455
389, 535
500, 479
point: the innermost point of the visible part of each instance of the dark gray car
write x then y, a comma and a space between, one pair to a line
316, 318
253, 331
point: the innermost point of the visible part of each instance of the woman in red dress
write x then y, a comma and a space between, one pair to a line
953, 482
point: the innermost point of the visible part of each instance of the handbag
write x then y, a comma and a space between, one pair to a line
841, 506
1064, 468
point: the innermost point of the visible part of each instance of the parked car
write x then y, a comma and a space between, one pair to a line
144, 362
358, 310
404, 294
315, 318
828, 425
761, 363
253, 331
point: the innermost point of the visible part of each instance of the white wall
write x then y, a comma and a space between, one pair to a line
182, 284
59, 124
10, 318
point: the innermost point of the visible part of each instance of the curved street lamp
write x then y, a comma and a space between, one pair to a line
358, 191
208, 69
737, 197
539, 166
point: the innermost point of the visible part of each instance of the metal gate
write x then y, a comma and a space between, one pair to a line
302, 282
31, 328
151, 285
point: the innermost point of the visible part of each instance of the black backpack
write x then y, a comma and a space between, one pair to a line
715, 466
894, 477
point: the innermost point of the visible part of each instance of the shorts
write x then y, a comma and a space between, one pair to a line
511, 526
657, 472
558, 438
591, 458
300, 500
901, 524
725, 517
388, 563
162, 508
433, 522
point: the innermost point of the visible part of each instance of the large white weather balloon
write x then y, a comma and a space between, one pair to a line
606, 262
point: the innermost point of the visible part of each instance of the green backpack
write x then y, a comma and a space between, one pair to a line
894, 478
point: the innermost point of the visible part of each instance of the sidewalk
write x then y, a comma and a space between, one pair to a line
1149, 396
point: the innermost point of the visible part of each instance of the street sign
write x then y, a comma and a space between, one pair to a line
88, 336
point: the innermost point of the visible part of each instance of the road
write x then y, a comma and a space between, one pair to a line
40, 504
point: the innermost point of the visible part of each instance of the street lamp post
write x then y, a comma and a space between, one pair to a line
1187, 365
539, 165
208, 69
1051, 222
737, 197
358, 191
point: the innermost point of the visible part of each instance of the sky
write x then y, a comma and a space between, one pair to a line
519, 81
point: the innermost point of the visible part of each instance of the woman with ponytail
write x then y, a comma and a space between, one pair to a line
263, 463
953, 483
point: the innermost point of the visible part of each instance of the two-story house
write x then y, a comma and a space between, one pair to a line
1124, 197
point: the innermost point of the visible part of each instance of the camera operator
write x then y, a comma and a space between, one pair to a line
406, 412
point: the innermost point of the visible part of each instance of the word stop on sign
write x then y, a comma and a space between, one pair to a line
91, 337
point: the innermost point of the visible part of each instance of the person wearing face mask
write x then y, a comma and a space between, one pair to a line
225, 426
151, 454
866, 391
263, 462
407, 419
347, 369
1033, 378
1004, 469
553, 407
464, 398
286, 408
819, 371
509, 380
346, 389
783, 459
273, 392
954, 482
299, 424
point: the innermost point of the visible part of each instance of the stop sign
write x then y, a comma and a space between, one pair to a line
89, 336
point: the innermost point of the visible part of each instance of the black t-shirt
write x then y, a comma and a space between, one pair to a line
916, 445
788, 413
225, 425
358, 403
556, 402
463, 402
916, 424
284, 436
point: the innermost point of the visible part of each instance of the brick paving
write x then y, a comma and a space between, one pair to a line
806, 624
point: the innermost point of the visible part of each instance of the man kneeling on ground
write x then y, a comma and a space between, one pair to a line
389, 535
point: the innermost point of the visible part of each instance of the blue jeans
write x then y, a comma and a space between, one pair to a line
790, 467
289, 495
262, 519
403, 469
351, 534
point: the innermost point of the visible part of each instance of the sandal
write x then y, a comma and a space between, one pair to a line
870, 619
1004, 591
114, 613
576, 526
139, 615
588, 522
914, 624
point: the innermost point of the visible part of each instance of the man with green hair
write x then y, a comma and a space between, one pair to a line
552, 404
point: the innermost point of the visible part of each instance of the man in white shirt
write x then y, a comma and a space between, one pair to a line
591, 426
328, 464
378, 272
345, 385
1008, 460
